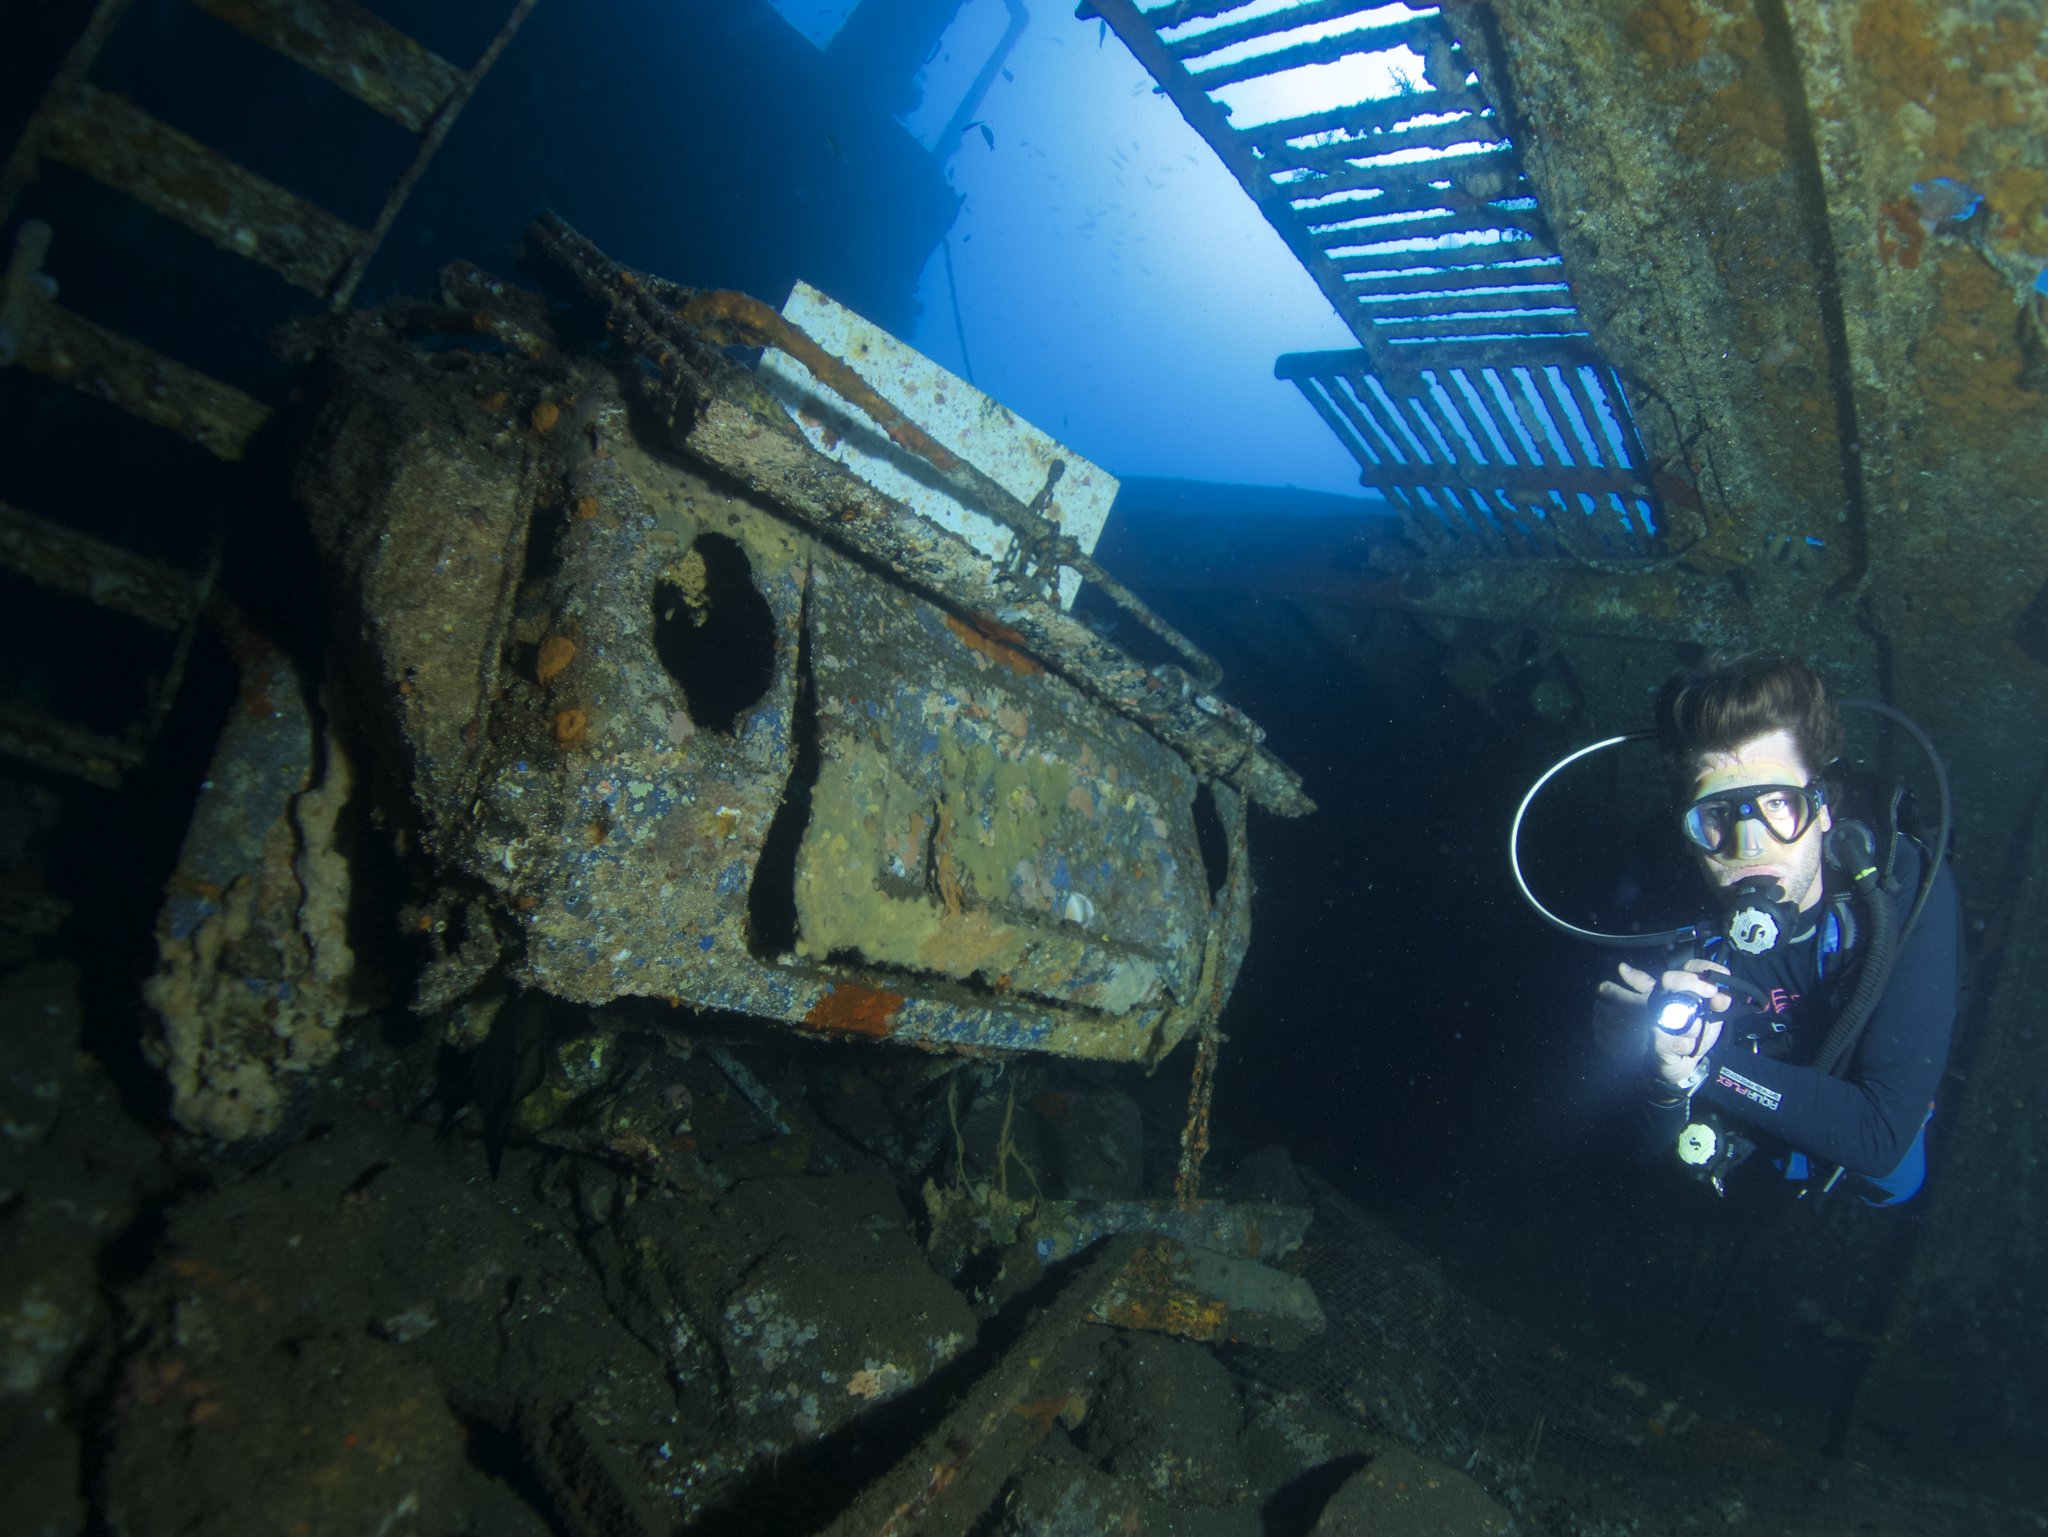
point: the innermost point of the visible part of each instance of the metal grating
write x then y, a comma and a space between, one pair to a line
1476, 401
1531, 460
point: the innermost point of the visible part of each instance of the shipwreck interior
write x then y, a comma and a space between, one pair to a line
625, 908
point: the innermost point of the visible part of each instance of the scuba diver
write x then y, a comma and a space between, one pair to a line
1812, 1018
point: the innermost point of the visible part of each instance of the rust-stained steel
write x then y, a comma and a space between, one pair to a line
118, 144
367, 57
90, 358
737, 427
66, 748
908, 831
745, 320
1224, 951
114, 578
1037, 536
957, 1472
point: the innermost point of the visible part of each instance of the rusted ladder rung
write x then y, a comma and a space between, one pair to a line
66, 560
1417, 178
1488, 221
1365, 271
66, 748
1344, 154
1285, 19
117, 143
1540, 327
373, 61
1546, 283
1363, 117
1388, 308
62, 345
1323, 50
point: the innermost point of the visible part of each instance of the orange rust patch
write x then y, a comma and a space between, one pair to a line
857, 1010
545, 415
586, 507
996, 642
571, 726
1900, 249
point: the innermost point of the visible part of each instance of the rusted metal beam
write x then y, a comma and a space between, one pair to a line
1342, 215
105, 574
1506, 304
373, 61
1418, 179
66, 748
1486, 218
1362, 117
1287, 19
67, 347
1472, 129
1322, 50
958, 1471
118, 144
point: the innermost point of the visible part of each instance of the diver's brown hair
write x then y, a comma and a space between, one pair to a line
1733, 697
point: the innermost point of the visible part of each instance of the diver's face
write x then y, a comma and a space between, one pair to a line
1749, 849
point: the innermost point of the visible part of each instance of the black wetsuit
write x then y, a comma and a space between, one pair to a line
1868, 1117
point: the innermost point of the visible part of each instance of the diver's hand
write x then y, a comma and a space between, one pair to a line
1678, 1056
1621, 1014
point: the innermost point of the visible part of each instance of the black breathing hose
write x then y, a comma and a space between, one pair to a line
1871, 979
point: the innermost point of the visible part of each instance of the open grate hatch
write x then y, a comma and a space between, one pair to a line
1475, 401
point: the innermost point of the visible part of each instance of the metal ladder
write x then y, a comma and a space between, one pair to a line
1475, 401
137, 154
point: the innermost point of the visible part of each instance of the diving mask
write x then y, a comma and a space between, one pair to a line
1783, 811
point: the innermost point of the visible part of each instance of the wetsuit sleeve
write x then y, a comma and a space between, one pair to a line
1866, 1119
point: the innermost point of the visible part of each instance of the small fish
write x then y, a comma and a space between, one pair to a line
833, 147
988, 134
1945, 200
1101, 33
1009, 77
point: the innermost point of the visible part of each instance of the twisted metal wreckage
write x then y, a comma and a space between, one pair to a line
678, 707
665, 702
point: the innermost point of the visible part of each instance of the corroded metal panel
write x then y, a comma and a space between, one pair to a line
976, 820
661, 741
